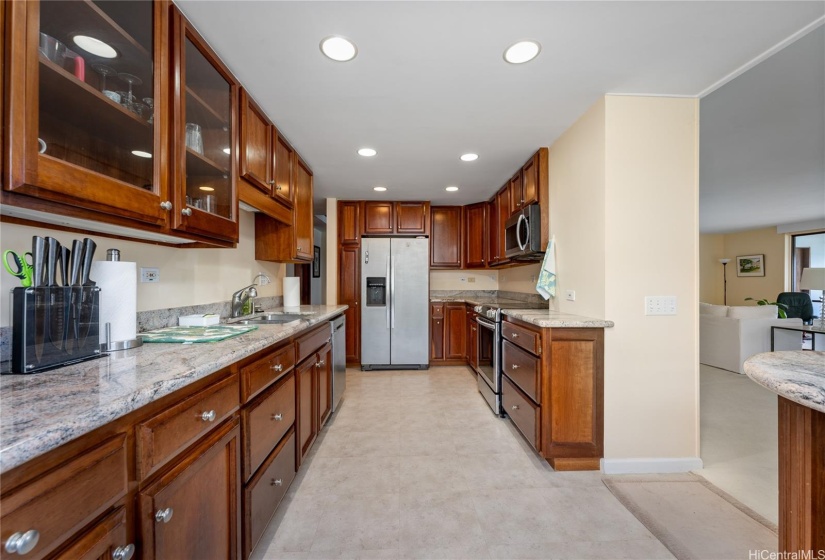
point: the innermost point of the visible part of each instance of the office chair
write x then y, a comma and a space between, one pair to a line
798, 305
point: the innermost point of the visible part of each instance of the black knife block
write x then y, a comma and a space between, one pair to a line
54, 326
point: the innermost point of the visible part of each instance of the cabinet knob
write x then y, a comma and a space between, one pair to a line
124, 552
271, 181
514, 407
186, 211
276, 482
278, 367
277, 417
166, 205
209, 416
514, 335
323, 362
164, 515
22, 543
514, 366
278, 188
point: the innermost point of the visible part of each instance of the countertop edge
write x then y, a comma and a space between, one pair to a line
797, 375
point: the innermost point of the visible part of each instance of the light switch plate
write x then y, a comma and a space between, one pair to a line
570, 295
149, 274
660, 305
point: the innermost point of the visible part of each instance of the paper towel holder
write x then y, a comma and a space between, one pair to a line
116, 345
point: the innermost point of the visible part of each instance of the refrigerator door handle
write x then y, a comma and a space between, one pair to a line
392, 290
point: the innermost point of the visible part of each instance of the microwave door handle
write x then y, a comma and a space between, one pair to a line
521, 245
527, 229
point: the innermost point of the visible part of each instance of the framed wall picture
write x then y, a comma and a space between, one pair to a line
750, 265
316, 262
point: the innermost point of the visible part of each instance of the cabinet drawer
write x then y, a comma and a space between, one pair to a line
521, 410
266, 421
257, 376
528, 339
101, 541
66, 499
265, 491
437, 311
310, 343
163, 436
522, 368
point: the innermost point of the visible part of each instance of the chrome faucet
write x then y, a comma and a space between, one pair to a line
242, 296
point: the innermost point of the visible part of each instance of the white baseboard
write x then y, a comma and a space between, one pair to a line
651, 465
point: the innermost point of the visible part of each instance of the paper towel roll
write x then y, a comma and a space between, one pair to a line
117, 281
292, 291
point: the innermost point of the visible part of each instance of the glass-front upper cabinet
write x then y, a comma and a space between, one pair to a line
205, 138
86, 78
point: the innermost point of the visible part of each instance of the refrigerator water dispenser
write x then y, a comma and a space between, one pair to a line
376, 291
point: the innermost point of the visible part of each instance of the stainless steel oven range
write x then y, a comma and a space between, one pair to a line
489, 349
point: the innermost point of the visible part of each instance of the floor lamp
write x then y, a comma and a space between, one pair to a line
725, 277
814, 279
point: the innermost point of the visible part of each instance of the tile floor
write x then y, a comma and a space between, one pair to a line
414, 465
739, 446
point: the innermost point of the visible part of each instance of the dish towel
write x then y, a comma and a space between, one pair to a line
546, 285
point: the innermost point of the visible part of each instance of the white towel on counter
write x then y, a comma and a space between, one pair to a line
546, 284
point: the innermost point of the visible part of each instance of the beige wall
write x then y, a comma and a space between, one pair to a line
519, 278
332, 253
651, 248
711, 280
187, 276
452, 280
756, 242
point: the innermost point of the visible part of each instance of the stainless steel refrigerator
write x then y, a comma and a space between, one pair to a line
395, 291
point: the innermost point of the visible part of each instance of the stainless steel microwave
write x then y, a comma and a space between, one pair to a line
522, 235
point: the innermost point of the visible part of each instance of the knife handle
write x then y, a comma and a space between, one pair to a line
89, 247
64, 265
77, 261
38, 259
53, 251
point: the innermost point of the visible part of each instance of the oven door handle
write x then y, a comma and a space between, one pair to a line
486, 324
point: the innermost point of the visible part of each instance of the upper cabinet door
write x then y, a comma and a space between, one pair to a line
475, 219
204, 135
503, 208
255, 145
530, 181
378, 217
445, 239
349, 222
492, 231
516, 193
304, 212
82, 129
284, 157
412, 218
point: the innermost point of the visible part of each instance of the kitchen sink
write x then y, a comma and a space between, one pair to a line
270, 318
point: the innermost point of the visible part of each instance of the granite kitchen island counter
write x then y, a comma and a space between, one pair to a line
797, 375
39, 412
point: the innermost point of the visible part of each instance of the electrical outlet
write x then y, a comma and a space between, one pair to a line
660, 305
462, 278
471, 279
149, 275
570, 295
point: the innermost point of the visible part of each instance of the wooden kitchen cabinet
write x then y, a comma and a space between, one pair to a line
379, 217
475, 227
530, 191
304, 223
503, 210
446, 236
472, 342
437, 332
412, 218
284, 159
516, 193
255, 139
107, 539
349, 293
307, 407
193, 510
349, 222
491, 228
324, 384
71, 147
204, 130
448, 326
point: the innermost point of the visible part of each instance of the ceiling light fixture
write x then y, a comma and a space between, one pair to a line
469, 157
141, 153
94, 46
521, 52
367, 152
379, 189
207, 189
338, 49
451, 189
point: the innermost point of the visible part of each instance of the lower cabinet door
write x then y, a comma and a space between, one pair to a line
192, 511
521, 410
107, 539
324, 384
266, 490
307, 406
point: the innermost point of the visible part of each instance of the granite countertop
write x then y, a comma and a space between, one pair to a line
42, 411
554, 319
475, 300
797, 375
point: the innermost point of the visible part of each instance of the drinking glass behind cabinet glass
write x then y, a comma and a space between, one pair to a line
105, 71
132, 80
151, 104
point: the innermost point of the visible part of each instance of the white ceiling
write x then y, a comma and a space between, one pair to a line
429, 82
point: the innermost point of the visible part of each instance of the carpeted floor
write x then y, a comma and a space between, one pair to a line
693, 518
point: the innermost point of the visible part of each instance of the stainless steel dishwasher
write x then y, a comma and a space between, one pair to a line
339, 360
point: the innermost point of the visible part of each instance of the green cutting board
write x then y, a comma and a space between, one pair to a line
212, 333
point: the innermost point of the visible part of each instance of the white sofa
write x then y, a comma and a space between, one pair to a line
729, 335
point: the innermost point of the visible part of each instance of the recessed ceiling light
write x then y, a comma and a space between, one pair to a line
451, 189
339, 49
227, 151
207, 189
521, 52
94, 46
140, 153
379, 189
367, 152
469, 157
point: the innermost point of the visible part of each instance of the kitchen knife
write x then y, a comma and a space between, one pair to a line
56, 300
67, 295
87, 301
38, 262
73, 337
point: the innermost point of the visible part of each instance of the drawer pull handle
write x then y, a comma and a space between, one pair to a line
276, 482
277, 417
514, 335
164, 515
209, 416
124, 552
278, 367
514, 407
22, 543
514, 366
